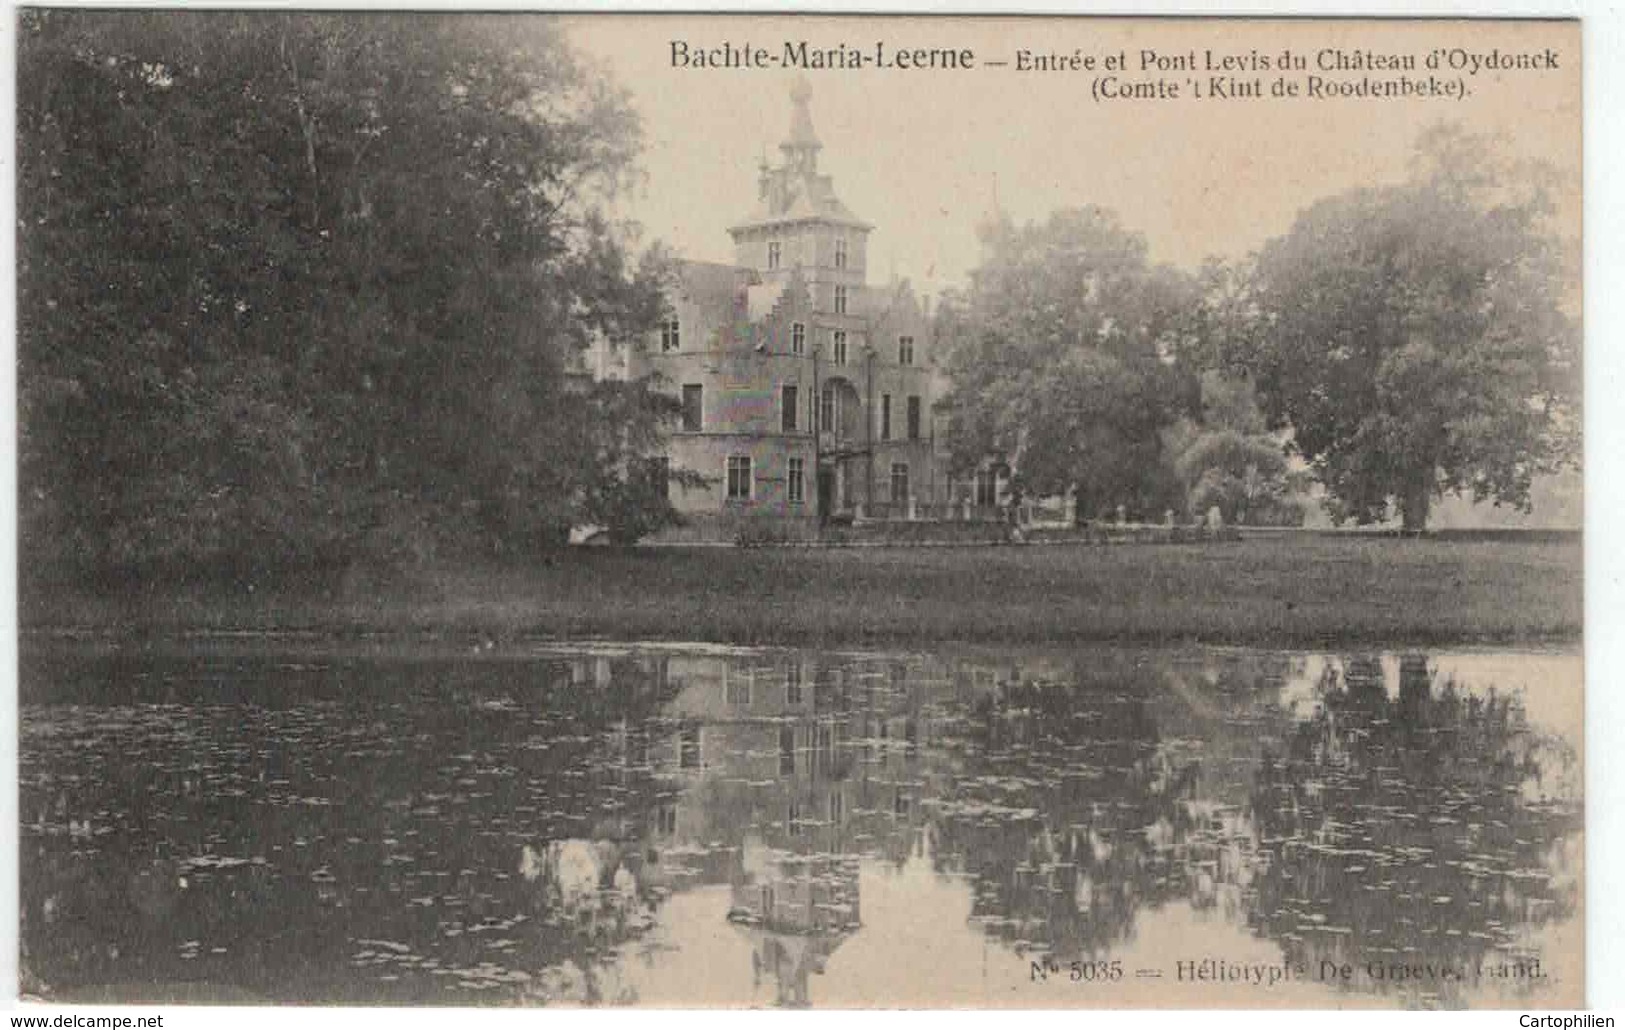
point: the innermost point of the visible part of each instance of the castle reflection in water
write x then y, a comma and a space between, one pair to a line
672, 825
1357, 809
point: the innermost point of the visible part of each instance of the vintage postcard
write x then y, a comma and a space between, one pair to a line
799, 511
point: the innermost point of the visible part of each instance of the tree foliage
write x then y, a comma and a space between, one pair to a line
1414, 338
1246, 477
1061, 361
1226, 459
311, 285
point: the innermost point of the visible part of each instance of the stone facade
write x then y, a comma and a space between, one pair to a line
808, 392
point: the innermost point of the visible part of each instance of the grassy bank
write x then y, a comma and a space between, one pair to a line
1288, 591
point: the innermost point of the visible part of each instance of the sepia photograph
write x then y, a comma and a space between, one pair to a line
798, 511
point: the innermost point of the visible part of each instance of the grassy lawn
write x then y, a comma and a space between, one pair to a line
1303, 591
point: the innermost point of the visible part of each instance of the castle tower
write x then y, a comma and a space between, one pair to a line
799, 222
806, 392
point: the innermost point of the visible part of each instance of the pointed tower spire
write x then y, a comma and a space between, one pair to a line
801, 147
793, 195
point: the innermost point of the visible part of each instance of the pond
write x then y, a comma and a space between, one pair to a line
280, 820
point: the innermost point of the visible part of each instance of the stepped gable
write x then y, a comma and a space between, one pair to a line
765, 299
795, 298
722, 295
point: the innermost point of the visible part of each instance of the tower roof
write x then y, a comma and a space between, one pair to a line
802, 136
794, 191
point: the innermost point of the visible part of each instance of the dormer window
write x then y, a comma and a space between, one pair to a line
773, 254
670, 336
840, 300
840, 252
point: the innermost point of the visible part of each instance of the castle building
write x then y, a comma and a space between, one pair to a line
806, 392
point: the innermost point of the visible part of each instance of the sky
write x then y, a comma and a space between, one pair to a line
925, 155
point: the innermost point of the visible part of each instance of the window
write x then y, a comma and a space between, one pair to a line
885, 416
667, 815
688, 747
827, 422
905, 350
739, 477
792, 684
789, 401
736, 688
792, 818
840, 252
899, 483
987, 488
693, 406
773, 254
670, 336
914, 418
840, 347
798, 338
840, 300
796, 475
787, 750
837, 806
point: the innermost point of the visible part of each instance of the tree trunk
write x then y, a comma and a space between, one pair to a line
1413, 507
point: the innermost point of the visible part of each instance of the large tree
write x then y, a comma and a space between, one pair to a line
1414, 338
1226, 457
297, 284
1061, 361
